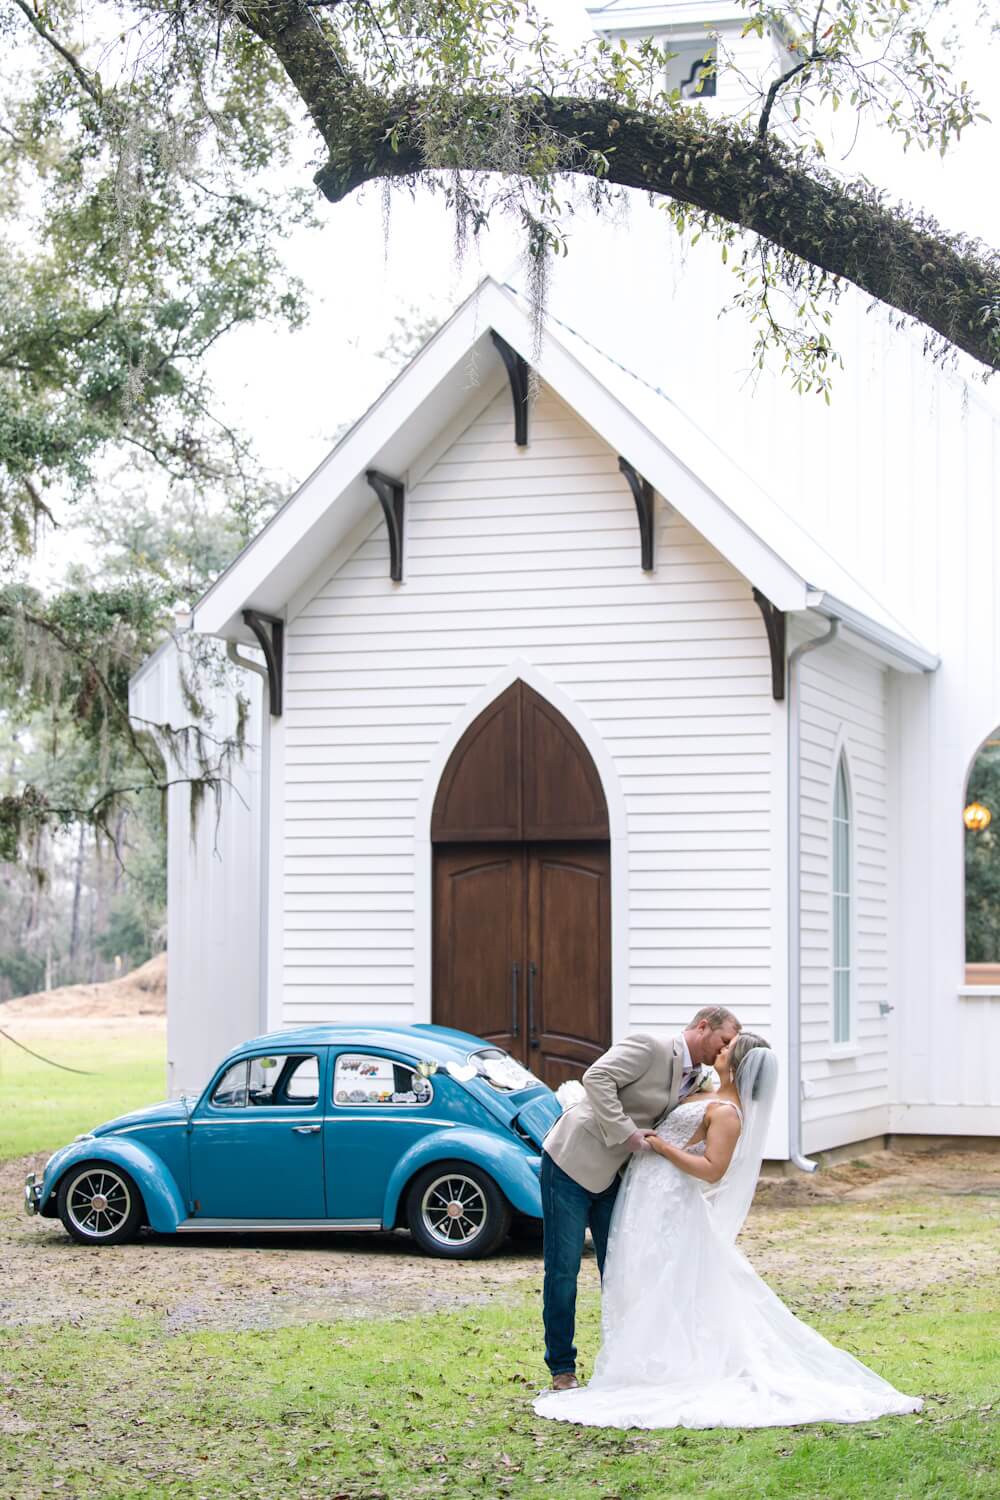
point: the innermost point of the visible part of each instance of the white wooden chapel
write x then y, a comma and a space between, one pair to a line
611, 670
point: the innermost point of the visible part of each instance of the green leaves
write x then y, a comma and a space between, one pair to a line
142, 225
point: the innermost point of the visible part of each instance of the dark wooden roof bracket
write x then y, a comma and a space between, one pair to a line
518, 375
774, 624
392, 498
642, 493
270, 633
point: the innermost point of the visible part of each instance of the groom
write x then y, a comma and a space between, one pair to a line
628, 1091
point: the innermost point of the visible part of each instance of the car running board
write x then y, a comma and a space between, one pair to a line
273, 1226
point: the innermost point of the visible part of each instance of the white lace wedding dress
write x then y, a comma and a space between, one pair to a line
692, 1337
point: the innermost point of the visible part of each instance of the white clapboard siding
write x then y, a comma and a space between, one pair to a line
843, 707
530, 555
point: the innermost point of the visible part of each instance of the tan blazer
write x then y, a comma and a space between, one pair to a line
630, 1088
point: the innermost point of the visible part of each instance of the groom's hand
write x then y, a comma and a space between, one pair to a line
637, 1141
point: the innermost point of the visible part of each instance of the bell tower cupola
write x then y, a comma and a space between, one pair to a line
700, 34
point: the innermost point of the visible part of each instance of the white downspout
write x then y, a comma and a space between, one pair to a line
263, 958
795, 1155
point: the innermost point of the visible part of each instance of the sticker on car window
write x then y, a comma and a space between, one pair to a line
363, 1079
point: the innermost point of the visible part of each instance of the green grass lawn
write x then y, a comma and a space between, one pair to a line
440, 1405
42, 1107
407, 1407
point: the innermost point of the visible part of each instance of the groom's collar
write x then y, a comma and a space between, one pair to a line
685, 1053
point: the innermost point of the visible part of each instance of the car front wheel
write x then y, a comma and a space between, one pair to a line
100, 1204
455, 1210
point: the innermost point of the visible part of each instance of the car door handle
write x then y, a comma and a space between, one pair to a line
515, 980
306, 1129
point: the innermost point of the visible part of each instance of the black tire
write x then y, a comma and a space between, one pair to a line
456, 1211
120, 1213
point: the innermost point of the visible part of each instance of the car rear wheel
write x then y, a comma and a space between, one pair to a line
456, 1211
100, 1204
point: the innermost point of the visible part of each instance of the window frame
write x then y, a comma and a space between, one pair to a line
845, 877
258, 1111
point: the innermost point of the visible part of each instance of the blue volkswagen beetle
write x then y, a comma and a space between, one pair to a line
315, 1129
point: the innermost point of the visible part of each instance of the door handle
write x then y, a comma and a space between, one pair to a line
532, 1034
515, 982
305, 1129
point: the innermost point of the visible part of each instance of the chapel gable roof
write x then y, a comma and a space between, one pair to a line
689, 469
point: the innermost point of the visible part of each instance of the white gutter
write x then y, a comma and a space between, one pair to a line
264, 842
795, 1155
907, 652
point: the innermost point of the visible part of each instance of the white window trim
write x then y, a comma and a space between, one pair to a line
850, 1046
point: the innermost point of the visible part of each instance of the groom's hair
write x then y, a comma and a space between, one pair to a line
715, 1015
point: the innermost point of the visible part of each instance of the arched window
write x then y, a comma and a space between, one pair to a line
982, 866
841, 905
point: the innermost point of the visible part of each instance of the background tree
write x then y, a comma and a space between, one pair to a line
151, 163
83, 869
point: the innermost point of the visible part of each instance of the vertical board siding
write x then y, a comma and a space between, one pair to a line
844, 706
948, 1042
530, 554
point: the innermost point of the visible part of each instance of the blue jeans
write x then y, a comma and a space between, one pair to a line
567, 1210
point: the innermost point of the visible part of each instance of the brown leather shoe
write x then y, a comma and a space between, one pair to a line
567, 1381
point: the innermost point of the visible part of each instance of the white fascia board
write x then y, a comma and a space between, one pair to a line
894, 650
673, 479
335, 497
667, 15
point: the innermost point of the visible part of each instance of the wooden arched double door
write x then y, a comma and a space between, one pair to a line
522, 889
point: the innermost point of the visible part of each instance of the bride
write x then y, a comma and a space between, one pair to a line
691, 1335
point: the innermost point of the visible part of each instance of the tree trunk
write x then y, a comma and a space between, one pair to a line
74, 929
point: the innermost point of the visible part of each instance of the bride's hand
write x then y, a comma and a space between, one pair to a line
654, 1143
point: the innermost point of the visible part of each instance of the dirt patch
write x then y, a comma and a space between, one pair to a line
143, 992
881, 1174
855, 1235
230, 1282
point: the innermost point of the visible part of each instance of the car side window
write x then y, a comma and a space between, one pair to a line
301, 1082
231, 1090
272, 1079
366, 1080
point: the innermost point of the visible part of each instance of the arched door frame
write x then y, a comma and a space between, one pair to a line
423, 896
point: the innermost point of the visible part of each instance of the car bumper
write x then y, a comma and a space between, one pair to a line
32, 1194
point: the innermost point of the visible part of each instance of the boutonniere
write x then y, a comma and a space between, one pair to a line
708, 1083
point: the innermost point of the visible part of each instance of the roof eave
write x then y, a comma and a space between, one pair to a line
904, 654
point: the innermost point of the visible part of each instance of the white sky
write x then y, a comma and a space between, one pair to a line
293, 391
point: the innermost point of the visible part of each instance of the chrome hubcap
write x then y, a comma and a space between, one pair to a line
98, 1202
454, 1210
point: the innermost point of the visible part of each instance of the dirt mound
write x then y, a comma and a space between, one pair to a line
143, 992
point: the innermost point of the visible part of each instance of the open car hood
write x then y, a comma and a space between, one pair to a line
538, 1116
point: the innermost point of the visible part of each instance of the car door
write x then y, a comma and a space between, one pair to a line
379, 1106
257, 1139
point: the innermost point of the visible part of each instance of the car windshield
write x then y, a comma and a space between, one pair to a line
502, 1071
